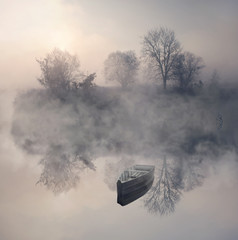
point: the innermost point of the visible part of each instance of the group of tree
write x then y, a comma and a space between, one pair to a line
161, 52
163, 55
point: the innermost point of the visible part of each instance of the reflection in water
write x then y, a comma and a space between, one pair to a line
169, 183
172, 178
140, 122
219, 121
165, 193
192, 174
61, 169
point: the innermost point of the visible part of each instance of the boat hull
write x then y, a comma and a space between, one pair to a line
130, 191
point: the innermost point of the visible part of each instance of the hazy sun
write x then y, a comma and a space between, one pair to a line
61, 39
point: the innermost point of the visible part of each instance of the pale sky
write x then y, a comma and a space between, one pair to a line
92, 29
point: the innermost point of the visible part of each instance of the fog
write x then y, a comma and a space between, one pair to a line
60, 159
143, 123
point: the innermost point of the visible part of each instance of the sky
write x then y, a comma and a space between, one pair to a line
93, 29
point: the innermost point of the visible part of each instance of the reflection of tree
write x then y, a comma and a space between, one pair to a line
61, 169
192, 176
219, 121
165, 193
185, 175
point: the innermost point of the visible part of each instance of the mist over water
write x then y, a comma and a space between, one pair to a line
77, 148
140, 125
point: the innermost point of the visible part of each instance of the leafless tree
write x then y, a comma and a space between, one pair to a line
160, 50
121, 67
186, 69
165, 193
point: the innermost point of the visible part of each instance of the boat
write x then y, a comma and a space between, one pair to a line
134, 182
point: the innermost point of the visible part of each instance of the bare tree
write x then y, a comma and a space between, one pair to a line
160, 49
163, 196
186, 69
121, 67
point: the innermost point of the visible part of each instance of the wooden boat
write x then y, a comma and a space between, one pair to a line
134, 183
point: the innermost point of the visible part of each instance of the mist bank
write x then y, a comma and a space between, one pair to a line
143, 122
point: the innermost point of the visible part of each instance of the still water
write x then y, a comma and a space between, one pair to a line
90, 211
191, 198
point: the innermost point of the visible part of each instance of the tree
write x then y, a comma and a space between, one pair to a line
85, 86
59, 70
160, 49
186, 69
121, 67
60, 73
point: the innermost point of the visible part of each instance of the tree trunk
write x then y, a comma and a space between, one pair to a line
164, 83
